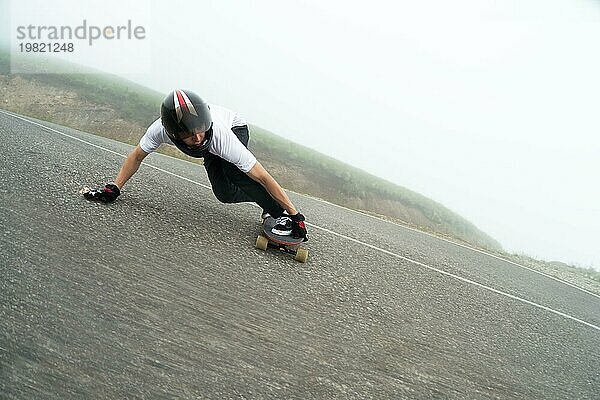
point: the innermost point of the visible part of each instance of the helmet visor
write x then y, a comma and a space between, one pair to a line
188, 126
197, 140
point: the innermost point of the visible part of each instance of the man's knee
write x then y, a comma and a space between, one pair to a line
231, 194
224, 195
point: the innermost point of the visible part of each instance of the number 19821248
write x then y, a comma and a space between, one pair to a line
46, 47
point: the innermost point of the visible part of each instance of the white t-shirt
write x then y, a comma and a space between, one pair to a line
224, 143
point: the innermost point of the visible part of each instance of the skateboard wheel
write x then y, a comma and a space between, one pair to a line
262, 243
301, 255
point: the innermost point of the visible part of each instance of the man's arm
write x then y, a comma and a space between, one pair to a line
260, 175
111, 191
130, 166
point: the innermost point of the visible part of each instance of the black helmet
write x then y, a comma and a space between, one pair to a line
182, 112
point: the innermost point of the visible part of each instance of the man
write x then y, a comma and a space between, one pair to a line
220, 136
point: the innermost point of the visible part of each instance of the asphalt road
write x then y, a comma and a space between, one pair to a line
163, 295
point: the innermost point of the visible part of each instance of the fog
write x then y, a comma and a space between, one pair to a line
490, 108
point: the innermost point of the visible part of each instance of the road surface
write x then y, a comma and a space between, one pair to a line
163, 295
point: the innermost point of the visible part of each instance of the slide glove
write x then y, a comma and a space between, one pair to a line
107, 194
298, 227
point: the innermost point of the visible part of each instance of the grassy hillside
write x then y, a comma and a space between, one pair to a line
122, 110
342, 184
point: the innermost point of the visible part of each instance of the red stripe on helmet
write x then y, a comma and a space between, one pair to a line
181, 100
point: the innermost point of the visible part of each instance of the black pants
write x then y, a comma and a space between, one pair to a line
230, 185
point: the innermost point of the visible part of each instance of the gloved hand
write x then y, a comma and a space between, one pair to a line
298, 227
107, 194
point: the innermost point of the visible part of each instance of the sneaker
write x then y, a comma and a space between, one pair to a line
266, 215
283, 226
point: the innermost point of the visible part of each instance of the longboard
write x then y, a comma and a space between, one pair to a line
286, 244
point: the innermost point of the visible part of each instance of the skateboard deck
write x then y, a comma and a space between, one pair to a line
286, 244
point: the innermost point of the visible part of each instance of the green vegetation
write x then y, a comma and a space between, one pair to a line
134, 102
4, 62
589, 272
351, 182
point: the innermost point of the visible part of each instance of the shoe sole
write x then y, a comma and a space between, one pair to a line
281, 233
